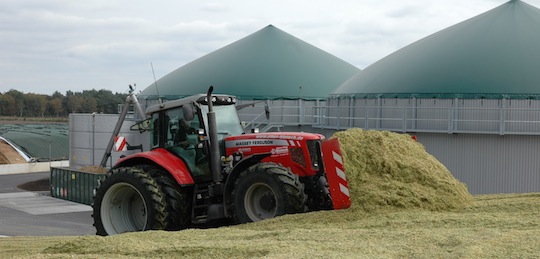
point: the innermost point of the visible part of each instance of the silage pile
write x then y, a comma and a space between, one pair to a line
390, 170
385, 171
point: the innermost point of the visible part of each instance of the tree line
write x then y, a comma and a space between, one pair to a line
16, 103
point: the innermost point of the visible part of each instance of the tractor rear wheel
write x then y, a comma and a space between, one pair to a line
128, 200
267, 190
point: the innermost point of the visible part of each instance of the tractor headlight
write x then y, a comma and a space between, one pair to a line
297, 155
314, 149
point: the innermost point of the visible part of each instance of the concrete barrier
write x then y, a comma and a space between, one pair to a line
31, 167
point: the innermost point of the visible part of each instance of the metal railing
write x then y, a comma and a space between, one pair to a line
501, 116
501, 120
280, 116
401, 118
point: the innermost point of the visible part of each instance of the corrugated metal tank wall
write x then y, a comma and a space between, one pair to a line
488, 163
490, 144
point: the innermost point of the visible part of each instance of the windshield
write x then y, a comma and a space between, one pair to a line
228, 123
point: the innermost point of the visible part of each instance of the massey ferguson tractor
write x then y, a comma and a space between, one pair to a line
203, 169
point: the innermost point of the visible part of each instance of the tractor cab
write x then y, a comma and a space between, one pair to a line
181, 128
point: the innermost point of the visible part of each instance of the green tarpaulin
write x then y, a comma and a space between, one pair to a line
40, 142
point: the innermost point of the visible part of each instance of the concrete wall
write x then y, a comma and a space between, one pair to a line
31, 167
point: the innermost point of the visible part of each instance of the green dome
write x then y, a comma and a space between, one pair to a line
493, 55
268, 64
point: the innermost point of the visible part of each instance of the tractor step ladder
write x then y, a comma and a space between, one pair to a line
201, 202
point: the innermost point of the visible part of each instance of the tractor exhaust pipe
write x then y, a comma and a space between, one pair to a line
215, 163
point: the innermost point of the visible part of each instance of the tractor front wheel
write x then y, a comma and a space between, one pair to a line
177, 199
267, 190
128, 200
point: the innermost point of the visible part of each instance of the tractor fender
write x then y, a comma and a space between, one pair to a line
161, 157
241, 166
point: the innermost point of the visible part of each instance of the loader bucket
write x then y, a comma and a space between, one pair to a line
335, 173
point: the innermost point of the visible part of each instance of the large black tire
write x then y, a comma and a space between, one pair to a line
128, 200
267, 190
178, 200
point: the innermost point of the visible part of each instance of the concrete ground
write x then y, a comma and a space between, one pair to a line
35, 213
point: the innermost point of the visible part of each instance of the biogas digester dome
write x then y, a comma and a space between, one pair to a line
268, 64
494, 55
470, 93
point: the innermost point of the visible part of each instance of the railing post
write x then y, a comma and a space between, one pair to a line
366, 116
338, 117
379, 113
316, 109
404, 127
450, 117
282, 111
351, 112
414, 114
301, 112
324, 111
502, 116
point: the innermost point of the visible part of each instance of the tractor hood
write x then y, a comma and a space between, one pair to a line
293, 149
270, 139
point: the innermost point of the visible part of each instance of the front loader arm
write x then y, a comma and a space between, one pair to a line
335, 174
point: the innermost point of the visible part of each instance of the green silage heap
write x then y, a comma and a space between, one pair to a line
391, 170
41, 142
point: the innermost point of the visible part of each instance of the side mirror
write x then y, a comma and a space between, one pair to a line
244, 124
187, 110
141, 126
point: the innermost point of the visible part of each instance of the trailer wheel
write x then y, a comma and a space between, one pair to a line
267, 190
128, 200
177, 199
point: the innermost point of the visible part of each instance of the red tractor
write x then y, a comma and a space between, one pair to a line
202, 168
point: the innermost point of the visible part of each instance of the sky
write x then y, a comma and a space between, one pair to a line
61, 45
